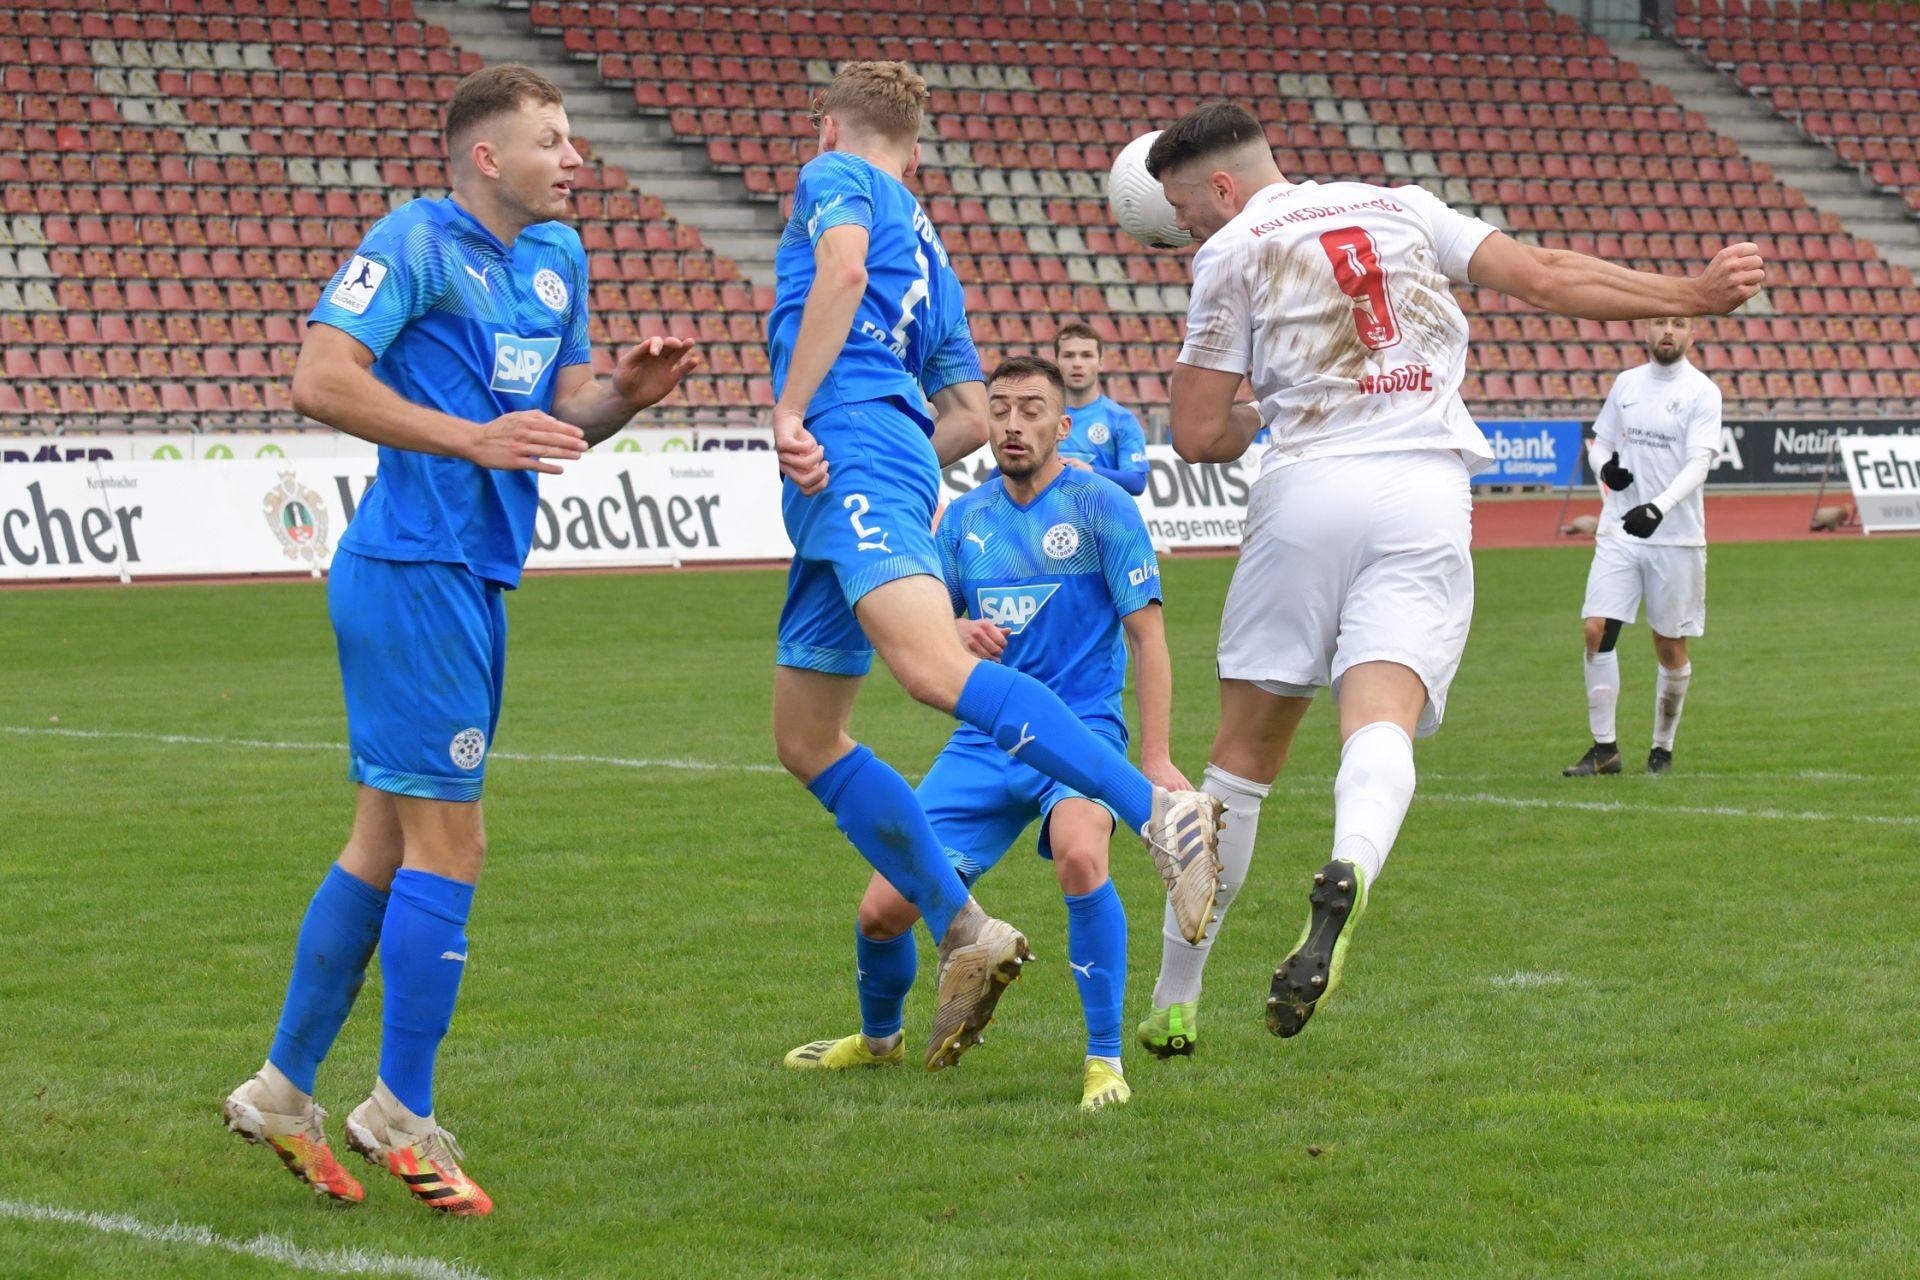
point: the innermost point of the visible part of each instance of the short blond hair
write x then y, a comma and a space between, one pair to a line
886, 98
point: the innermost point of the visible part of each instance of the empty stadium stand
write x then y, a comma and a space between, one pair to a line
179, 182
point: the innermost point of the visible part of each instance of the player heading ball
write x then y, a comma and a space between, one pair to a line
1335, 299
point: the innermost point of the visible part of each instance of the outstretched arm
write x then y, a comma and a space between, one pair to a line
1573, 284
645, 374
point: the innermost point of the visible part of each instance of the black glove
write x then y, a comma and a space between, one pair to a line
1642, 520
1613, 475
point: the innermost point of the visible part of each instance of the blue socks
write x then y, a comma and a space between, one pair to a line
1097, 950
337, 938
1029, 722
423, 952
886, 974
876, 809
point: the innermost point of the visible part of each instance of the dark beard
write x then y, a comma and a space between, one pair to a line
1667, 360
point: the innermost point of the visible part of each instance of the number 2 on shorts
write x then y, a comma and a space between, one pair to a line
1357, 270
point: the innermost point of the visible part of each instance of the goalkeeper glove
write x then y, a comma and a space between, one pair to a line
1615, 476
1642, 520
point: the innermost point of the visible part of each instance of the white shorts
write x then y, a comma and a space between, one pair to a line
1672, 580
1349, 560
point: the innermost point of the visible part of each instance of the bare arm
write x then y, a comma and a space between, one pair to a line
960, 420
1573, 284
1153, 686
333, 383
644, 375
840, 277
1207, 425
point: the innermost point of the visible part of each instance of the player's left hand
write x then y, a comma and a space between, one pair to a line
647, 372
1162, 773
1075, 462
1642, 520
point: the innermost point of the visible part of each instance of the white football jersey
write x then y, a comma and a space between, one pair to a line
1334, 300
1656, 415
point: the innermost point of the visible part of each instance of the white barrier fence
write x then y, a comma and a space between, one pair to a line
1884, 472
106, 519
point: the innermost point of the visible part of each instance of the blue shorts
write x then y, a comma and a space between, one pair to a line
871, 525
423, 652
979, 799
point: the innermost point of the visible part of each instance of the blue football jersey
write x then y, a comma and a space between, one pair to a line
1059, 574
1108, 437
459, 322
910, 337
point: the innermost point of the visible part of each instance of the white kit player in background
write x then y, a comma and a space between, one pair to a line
1653, 444
1335, 301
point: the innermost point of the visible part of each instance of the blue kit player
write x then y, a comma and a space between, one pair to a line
1106, 438
1053, 566
456, 340
878, 386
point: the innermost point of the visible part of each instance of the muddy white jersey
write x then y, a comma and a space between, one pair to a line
1657, 416
1334, 299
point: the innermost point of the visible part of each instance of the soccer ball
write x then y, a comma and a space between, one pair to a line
1138, 203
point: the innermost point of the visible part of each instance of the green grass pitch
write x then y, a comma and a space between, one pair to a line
1618, 1027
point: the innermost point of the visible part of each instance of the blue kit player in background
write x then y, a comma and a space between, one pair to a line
1052, 565
1106, 438
456, 340
877, 387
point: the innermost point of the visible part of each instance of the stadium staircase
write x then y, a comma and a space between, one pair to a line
1865, 209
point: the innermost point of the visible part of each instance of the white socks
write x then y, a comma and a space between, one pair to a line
1603, 693
1371, 794
1181, 962
1669, 697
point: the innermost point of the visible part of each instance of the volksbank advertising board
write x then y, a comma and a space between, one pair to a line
1543, 453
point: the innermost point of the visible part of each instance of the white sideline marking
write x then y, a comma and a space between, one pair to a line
338, 1262
1703, 810
1525, 979
709, 766
266, 744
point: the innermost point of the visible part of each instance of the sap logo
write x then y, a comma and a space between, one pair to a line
518, 363
1142, 574
1014, 607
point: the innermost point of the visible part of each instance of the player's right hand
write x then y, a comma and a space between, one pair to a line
527, 440
1735, 274
981, 638
1615, 476
802, 460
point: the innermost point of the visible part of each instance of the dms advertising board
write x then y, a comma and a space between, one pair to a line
1186, 505
79, 520
1885, 474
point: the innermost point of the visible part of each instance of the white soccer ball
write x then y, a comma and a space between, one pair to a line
1137, 201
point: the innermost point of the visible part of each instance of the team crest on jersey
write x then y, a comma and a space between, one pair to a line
1098, 433
468, 749
550, 288
358, 283
1014, 607
298, 517
1061, 541
518, 363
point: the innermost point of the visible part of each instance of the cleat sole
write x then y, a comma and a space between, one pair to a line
1307, 975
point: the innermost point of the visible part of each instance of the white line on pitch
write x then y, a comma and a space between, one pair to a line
338, 1262
269, 744
709, 766
1702, 810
